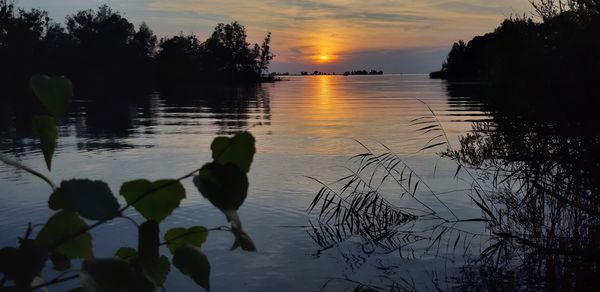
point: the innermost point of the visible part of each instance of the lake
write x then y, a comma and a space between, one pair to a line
305, 126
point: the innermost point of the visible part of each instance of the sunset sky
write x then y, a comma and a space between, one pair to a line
402, 36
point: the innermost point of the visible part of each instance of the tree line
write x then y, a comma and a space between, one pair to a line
100, 49
556, 58
363, 72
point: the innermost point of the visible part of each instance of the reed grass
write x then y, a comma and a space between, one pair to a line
535, 203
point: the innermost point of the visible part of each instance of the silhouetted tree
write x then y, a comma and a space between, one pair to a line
101, 51
548, 9
265, 55
107, 50
144, 46
227, 53
179, 60
456, 57
552, 60
21, 35
363, 72
225, 56
144, 41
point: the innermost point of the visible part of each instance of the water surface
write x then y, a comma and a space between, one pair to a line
304, 126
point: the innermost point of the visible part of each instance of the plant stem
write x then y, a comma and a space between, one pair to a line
141, 197
19, 165
55, 281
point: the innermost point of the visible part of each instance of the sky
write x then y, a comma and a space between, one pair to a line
396, 36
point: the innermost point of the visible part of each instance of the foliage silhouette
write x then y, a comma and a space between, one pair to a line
363, 72
102, 52
537, 62
79, 202
545, 173
535, 179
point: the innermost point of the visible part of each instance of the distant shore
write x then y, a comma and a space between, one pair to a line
346, 73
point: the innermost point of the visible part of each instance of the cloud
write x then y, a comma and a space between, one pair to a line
375, 17
482, 7
303, 29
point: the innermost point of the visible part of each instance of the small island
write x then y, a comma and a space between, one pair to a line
346, 73
363, 72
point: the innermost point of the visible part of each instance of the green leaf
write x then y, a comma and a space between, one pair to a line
148, 267
92, 199
147, 275
158, 272
362, 288
155, 271
7, 256
243, 240
21, 265
53, 92
37, 280
60, 262
106, 275
159, 199
238, 150
225, 186
148, 242
192, 262
61, 226
59, 201
141, 281
155, 268
126, 253
45, 128
195, 236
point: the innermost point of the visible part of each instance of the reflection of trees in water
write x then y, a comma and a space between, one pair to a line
536, 180
545, 177
109, 122
232, 108
106, 123
542, 165
16, 115
462, 97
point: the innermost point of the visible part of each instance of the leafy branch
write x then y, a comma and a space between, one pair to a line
66, 236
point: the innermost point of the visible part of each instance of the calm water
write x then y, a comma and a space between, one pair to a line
304, 126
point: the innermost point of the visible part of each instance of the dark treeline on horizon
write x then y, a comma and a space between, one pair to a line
355, 72
99, 50
363, 72
558, 58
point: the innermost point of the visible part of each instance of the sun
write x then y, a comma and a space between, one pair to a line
323, 57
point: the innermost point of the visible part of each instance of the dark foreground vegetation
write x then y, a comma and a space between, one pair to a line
535, 179
555, 60
79, 206
102, 51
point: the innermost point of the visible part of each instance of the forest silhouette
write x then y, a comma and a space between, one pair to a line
101, 51
543, 63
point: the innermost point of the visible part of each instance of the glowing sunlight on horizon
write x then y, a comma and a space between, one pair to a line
333, 35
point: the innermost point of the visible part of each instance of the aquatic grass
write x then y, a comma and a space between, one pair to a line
354, 205
530, 180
